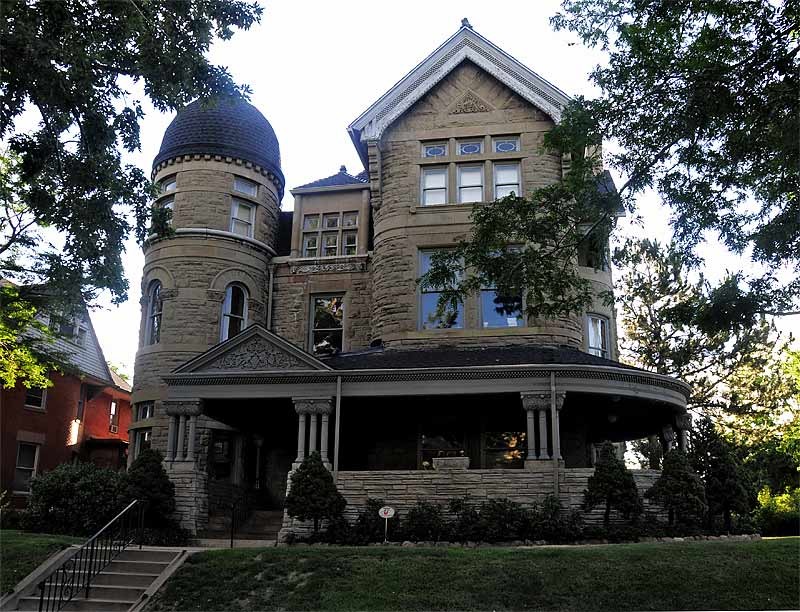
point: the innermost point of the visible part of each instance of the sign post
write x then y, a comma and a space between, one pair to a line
386, 513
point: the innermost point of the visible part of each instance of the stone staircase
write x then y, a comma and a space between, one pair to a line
118, 587
261, 529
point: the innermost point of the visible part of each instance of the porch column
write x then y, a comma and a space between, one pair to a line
544, 453
531, 434
536, 402
259, 442
181, 437
683, 423
301, 437
171, 439
653, 444
312, 407
324, 436
182, 413
558, 404
192, 435
312, 433
667, 438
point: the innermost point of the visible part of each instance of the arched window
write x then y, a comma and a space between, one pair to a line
154, 308
234, 311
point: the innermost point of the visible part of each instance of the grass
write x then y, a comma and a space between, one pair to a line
676, 576
21, 553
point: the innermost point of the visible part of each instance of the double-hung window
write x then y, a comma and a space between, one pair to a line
242, 217
330, 234
434, 185
327, 324
113, 417
597, 337
26, 466
506, 179
470, 184
35, 398
429, 301
234, 311
500, 310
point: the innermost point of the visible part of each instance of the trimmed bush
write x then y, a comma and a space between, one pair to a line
425, 522
549, 522
75, 499
612, 486
313, 495
466, 523
502, 520
148, 482
679, 490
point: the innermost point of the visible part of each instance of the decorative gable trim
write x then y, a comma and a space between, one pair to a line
470, 103
466, 44
256, 349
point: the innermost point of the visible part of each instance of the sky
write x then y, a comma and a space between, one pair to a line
314, 66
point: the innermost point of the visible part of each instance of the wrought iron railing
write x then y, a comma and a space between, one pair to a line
241, 509
76, 573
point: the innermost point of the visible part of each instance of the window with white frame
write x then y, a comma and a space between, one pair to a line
470, 147
506, 180
434, 186
154, 309
145, 410
505, 144
330, 234
26, 466
113, 417
470, 184
36, 398
73, 328
246, 186
597, 336
142, 440
429, 302
234, 311
434, 149
242, 216
169, 184
327, 324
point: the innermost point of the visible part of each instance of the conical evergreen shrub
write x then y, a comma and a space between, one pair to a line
612, 486
313, 495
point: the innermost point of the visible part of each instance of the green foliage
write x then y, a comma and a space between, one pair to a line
679, 490
727, 484
549, 521
701, 99
778, 514
503, 520
85, 68
313, 494
425, 522
75, 499
613, 487
147, 481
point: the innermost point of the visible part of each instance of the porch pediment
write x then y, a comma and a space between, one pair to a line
254, 350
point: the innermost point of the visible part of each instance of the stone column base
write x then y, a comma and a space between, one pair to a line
541, 465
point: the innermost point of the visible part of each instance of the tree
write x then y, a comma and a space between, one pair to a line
148, 482
701, 99
612, 486
679, 490
726, 483
83, 69
313, 494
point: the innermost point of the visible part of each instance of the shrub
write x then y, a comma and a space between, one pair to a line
549, 522
148, 482
679, 490
465, 525
778, 514
168, 535
502, 520
313, 494
9, 517
424, 522
75, 499
612, 486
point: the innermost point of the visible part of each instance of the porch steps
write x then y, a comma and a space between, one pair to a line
261, 529
120, 585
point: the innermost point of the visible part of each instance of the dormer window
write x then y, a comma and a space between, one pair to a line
73, 329
505, 145
242, 214
434, 149
330, 234
243, 185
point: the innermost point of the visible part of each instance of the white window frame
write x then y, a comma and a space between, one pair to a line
605, 326
241, 185
431, 291
42, 407
516, 164
227, 315
169, 183
34, 470
427, 170
425, 145
236, 203
113, 416
146, 408
152, 314
459, 171
138, 435
340, 230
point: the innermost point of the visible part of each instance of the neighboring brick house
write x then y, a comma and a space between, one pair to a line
268, 334
83, 416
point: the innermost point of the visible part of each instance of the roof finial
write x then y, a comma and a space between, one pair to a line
342, 168
465, 23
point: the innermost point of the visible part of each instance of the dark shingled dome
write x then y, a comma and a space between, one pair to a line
227, 127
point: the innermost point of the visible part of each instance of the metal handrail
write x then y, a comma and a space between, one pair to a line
76, 573
241, 509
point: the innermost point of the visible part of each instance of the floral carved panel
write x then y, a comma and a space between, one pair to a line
256, 354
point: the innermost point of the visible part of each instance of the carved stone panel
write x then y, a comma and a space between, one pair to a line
470, 103
256, 354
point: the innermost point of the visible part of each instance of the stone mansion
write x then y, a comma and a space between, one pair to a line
268, 334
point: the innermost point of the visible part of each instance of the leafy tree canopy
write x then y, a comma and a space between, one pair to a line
83, 69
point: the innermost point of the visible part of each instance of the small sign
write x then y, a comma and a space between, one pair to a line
386, 512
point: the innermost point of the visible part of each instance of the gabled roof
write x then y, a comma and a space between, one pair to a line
465, 44
339, 179
255, 349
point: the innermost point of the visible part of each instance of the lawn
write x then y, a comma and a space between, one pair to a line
669, 576
21, 553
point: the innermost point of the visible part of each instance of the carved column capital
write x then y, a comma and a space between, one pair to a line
538, 400
667, 433
312, 405
184, 407
683, 421
560, 397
